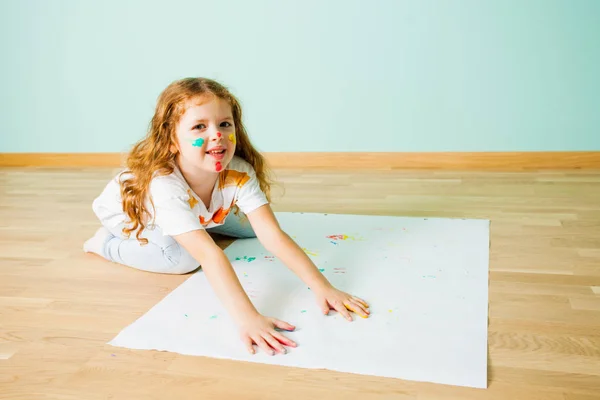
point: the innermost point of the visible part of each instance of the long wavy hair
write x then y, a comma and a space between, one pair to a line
152, 155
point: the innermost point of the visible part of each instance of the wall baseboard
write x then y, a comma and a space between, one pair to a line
507, 161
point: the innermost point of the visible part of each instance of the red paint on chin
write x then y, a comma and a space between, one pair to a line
218, 166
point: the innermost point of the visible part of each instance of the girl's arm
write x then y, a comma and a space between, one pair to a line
219, 272
276, 241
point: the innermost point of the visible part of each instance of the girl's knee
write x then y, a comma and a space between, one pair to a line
179, 260
184, 267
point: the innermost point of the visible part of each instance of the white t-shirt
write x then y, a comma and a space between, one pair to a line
177, 209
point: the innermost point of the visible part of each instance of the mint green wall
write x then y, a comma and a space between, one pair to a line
313, 75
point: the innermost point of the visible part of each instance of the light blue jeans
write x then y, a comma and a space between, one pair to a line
162, 253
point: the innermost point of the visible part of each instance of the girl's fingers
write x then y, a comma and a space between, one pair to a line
274, 343
283, 325
324, 306
263, 345
249, 344
357, 308
283, 339
341, 308
361, 301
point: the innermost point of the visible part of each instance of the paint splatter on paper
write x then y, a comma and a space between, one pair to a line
338, 237
213, 317
322, 269
245, 258
344, 237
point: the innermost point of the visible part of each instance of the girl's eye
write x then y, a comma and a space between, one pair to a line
200, 126
225, 124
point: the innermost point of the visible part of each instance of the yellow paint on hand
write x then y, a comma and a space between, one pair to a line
354, 311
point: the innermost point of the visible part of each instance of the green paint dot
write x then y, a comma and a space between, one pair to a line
213, 317
198, 142
251, 259
321, 269
303, 311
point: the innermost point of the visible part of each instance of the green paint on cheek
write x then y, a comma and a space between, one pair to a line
198, 142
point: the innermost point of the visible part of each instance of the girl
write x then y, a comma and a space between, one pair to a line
194, 173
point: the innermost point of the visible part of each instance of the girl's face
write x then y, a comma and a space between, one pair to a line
206, 134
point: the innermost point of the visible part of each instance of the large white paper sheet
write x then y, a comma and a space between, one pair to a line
426, 280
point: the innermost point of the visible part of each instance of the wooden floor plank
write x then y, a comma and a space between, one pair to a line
60, 307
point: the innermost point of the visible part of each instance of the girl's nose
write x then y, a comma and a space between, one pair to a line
217, 136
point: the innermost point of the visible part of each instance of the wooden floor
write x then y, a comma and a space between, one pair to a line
59, 307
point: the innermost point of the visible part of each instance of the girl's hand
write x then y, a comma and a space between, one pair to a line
260, 330
331, 298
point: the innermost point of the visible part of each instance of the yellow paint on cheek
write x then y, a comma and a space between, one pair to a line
232, 138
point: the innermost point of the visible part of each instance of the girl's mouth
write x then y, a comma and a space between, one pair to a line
218, 154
